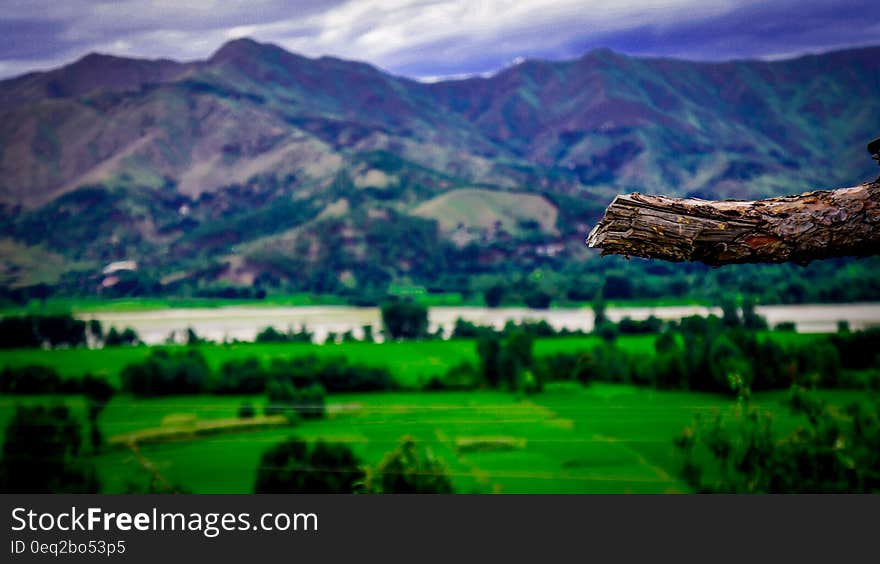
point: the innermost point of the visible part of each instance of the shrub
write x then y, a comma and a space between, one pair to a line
334, 373
730, 370
405, 320
18, 333
241, 376
98, 394
168, 373
629, 326
503, 361
37, 330
489, 351
305, 402
35, 379
246, 410
295, 466
462, 376
61, 330
608, 331
577, 367
409, 469
600, 316
835, 450
858, 350
493, 295
271, 335
538, 299
467, 329
192, 338
819, 366
41, 453
128, 336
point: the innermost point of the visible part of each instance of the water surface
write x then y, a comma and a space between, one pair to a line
244, 322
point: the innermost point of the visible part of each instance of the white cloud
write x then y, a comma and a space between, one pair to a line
413, 36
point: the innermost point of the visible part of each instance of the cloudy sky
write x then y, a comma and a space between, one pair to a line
431, 38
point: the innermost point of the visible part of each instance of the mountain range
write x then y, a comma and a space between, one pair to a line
261, 166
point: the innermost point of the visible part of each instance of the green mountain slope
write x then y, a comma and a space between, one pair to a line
262, 167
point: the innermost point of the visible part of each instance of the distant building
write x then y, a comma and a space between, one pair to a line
120, 265
549, 250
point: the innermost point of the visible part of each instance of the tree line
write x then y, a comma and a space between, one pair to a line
59, 330
708, 354
833, 449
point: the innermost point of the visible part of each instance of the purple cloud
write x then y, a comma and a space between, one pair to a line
422, 38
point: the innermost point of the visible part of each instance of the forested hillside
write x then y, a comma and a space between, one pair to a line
259, 170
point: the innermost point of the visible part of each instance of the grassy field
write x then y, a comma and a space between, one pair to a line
412, 363
603, 438
82, 305
483, 210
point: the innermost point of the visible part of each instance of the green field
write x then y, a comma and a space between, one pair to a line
412, 363
82, 305
483, 210
569, 438
603, 438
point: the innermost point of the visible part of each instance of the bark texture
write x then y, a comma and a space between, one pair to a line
800, 229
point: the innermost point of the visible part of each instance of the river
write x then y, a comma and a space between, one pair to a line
244, 322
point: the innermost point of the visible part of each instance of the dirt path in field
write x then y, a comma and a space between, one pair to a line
479, 474
148, 465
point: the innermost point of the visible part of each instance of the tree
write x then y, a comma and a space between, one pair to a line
489, 351
750, 318
37, 330
128, 336
241, 376
600, 317
509, 362
246, 410
58, 330
409, 469
271, 335
730, 371
405, 320
18, 332
166, 373
517, 361
834, 450
670, 370
33, 379
820, 365
305, 402
192, 338
608, 331
729, 313
41, 453
296, 466
95, 330
368, 333
98, 393
493, 295
538, 299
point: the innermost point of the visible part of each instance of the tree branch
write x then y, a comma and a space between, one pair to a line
815, 225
